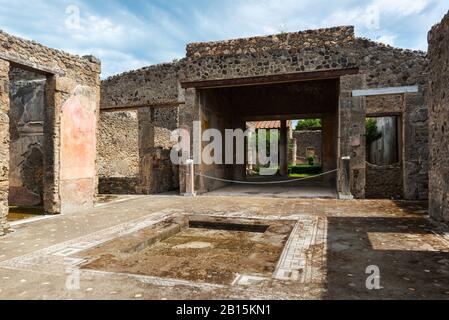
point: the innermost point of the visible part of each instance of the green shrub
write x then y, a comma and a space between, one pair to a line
311, 161
308, 124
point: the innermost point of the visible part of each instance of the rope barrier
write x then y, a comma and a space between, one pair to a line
268, 182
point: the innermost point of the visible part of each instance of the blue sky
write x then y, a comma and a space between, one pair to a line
136, 33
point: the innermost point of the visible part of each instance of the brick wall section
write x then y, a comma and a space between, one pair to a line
438, 100
70, 80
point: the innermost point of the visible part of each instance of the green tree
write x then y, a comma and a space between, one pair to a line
308, 124
372, 134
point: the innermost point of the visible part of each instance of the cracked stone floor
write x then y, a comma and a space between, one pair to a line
325, 257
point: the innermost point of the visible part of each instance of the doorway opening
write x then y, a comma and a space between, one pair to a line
27, 92
277, 107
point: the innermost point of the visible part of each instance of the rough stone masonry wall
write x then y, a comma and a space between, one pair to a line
118, 152
155, 92
312, 50
327, 49
73, 95
438, 99
385, 66
152, 86
286, 53
157, 172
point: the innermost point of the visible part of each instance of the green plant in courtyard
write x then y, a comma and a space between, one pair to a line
307, 124
311, 161
372, 134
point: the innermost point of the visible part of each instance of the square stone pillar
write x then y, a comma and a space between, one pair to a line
75, 120
52, 122
352, 115
283, 149
293, 153
415, 146
329, 146
4, 145
146, 149
239, 170
188, 113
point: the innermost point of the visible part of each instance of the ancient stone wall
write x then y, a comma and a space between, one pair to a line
352, 130
308, 139
152, 86
71, 113
155, 91
85, 70
287, 53
118, 152
384, 182
328, 49
438, 100
157, 172
307, 51
4, 144
385, 66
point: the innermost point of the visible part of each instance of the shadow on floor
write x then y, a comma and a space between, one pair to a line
17, 213
295, 189
413, 260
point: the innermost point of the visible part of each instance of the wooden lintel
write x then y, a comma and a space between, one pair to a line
270, 79
131, 107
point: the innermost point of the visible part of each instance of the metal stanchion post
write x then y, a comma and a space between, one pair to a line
190, 179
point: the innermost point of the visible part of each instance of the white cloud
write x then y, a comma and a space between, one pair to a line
387, 39
129, 35
402, 7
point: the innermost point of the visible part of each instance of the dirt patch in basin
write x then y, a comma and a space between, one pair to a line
185, 249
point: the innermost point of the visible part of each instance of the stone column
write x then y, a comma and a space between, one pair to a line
53, 103
294, 151
239, 170
283, 149
251, 155
4, 144
146, 149
329, 146
352, 116
188, 113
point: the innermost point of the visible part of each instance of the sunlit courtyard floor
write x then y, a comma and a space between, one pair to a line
323, 249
